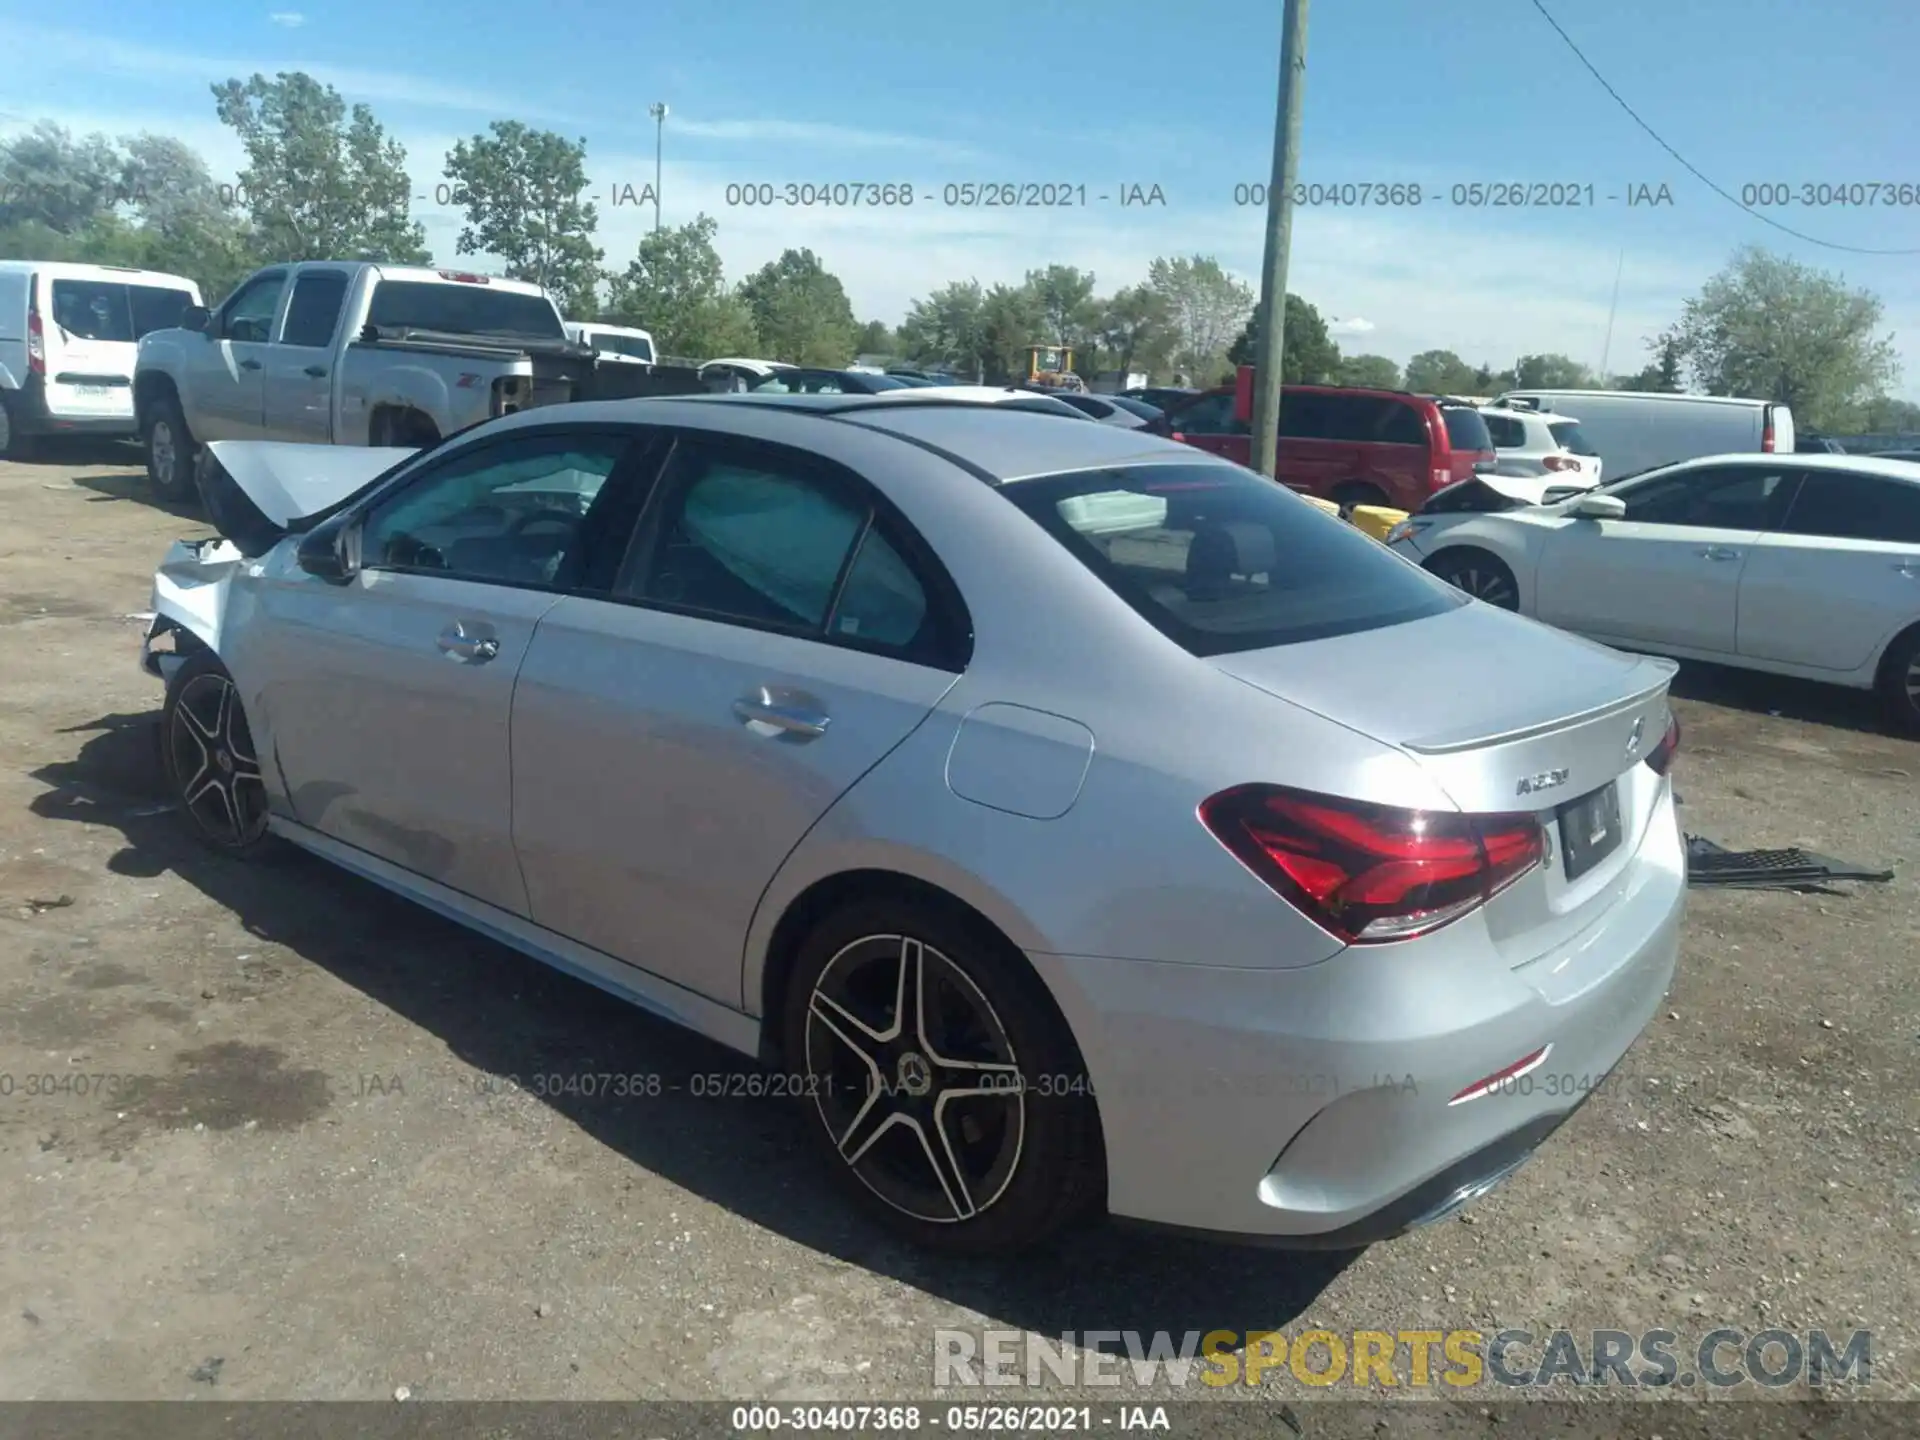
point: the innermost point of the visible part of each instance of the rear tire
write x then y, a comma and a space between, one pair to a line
946, 1152
212, 768
1353, 493
1483, 576
1900, 681
15, 444
170, 450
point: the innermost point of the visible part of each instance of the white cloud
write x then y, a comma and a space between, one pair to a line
1355, 326
288, 19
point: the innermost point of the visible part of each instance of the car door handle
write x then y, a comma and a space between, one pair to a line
249, 364
472, 649
318, 372
794, 719
1718, 552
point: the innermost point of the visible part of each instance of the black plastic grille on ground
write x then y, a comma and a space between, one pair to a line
1789, 869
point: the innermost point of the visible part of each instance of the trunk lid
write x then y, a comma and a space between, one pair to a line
1483, 699
1507, 715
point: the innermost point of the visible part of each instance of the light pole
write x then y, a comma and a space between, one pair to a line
1273, 282
658, 110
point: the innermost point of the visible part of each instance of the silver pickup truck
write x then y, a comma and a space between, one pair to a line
349, 353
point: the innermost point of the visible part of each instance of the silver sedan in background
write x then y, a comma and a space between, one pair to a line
1080, 823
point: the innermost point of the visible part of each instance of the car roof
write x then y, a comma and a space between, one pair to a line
1662, 395
1902, 470
999, 444
87, 270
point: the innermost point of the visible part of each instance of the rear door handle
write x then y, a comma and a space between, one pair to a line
456, 642
318, 372
1719, 552
249, 364
764, 709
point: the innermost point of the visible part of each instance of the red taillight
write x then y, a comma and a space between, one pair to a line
1176, 435
1372, 873
36, 341
1766, 431
1560, 462
1661, 756
1440, 479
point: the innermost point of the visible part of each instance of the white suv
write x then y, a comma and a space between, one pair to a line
1529, 444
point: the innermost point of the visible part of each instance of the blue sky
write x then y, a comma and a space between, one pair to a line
1130, 93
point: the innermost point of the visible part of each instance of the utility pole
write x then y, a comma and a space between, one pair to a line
1606, 350
658, 110
1271, 328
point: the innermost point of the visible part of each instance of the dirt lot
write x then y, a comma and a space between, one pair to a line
293, 1177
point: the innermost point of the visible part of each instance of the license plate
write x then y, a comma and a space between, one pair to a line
1590, 829
100, 390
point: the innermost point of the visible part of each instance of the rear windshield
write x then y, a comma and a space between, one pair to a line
1567, 435
1466, 429
461, 309
111, 310
623, 345
1221, 560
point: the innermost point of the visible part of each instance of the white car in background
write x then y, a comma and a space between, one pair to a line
1634, 431
620, 343
1549, 447
1802, 565
734, 373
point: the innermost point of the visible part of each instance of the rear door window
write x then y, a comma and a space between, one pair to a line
314, 309
1714, 498
1221, 560
1210, 415
1838, 505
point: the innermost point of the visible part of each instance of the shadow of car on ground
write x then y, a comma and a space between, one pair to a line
508, 1015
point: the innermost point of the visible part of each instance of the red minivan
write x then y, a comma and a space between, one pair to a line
1353, 447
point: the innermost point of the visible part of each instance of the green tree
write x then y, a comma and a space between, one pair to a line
1770, 328
1373, 372
1308, 354
874, 338
1884, 415
1012, 318
675, 288
1205, 306
801, 311
1131, 325
946, 328
524, 193
1441, 372
50, 179
1552, 372
1662, 374
321, 182
186, 226
1070, 313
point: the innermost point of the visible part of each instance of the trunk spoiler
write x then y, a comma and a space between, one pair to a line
258, 491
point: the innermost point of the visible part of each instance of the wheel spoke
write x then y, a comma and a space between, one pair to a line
869, 1123
946, 1167
837, 1018
206, 734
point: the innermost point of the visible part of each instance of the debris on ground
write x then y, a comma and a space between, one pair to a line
1788, 869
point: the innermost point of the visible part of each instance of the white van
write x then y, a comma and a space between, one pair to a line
68, 337
1635, 430
615, 342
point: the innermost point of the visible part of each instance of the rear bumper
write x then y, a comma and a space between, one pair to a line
1315, 1108
34, 413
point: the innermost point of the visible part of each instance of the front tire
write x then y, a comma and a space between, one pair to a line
1483, 576
213, 771
1900, 681
169, 451
942, 1088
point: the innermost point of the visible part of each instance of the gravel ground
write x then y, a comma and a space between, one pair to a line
296, 1177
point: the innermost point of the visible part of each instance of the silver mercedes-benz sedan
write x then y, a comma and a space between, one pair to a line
1076, 822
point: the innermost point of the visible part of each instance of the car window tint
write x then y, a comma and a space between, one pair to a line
248, 316
749, 543
1726, 499
1222, 560
1404, 425
1209, 415
1841, 506
512, 512
1466, 429
314, 308
1303, 415
1568, 435
882, 602
1508, 433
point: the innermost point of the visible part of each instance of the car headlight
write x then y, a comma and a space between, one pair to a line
1406, 530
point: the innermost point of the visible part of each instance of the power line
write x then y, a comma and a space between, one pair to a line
1691, 168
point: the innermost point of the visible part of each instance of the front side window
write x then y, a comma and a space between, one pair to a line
1711, 499
513, 512
248, 316
1222, 560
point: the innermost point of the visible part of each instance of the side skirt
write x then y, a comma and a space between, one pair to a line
637, 987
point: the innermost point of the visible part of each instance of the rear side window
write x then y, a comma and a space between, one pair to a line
1840, 506
1712, 498
457, 308
1507, 433
1569, 437
1221, 560
1466, 430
